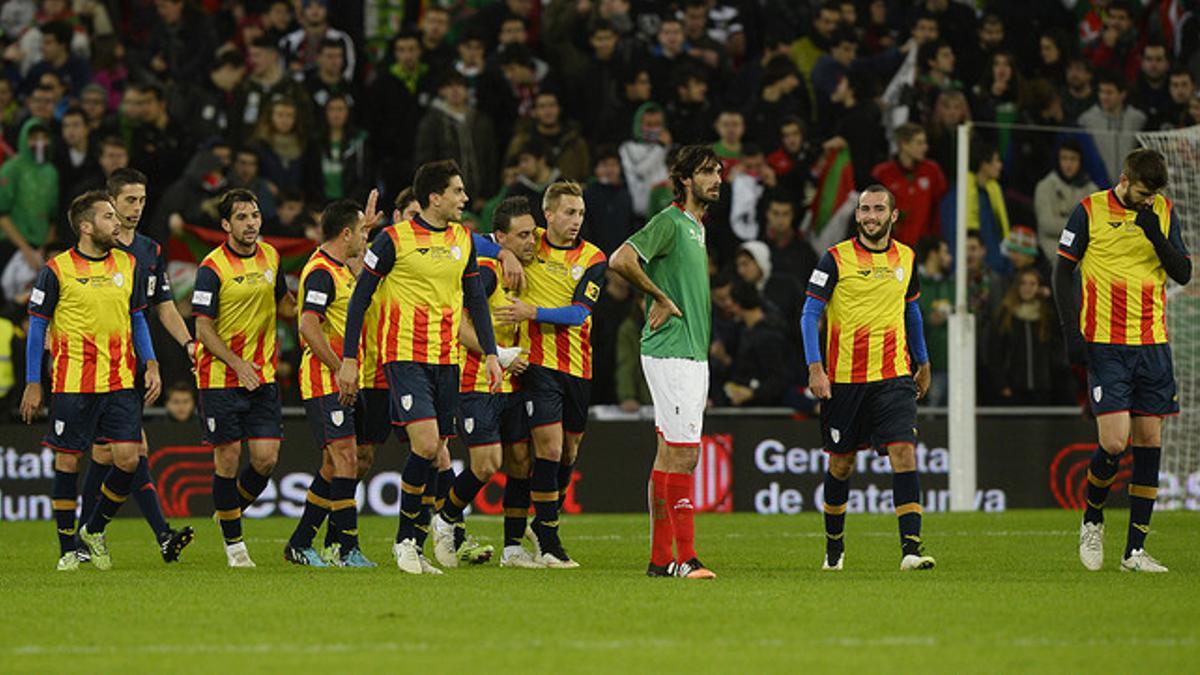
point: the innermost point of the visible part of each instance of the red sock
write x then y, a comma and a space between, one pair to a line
679, 497
661, 532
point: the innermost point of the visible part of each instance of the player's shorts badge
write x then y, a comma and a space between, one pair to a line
1097, 393
529, 408
59, 425
406, 401
469, 424
835, 435
337, 417
212, 424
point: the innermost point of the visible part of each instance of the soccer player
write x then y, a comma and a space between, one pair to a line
325, 286
1125, 242
91, 298
426, 270
668, 261
238, 295
869, 286
492, 426
555, 313
127, 189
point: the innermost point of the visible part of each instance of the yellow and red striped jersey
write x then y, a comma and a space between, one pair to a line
866, 340
559, 277
89, 305
370, 361
420, 292
474, 375
240, 294
325, 286
1122, 278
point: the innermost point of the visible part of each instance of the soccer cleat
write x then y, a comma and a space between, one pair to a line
533, 539
917, 561
355, 558
332, 554
443, 542
694, 569
667, 570
833, 561
237, 555
408, 558
69, 562
1091, 545
82, 553
474, 553
307, 556
428, 567
1140, 561
557, 559
517, 556
174, 543
98, 547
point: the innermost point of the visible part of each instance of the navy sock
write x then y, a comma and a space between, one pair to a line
544, 493
906, 494
516, 510
462, 493
316, 507
412, 487
113, 494
146, 497
63, 499
837, 491
93, 478
343, 514
428, 500
1143, 490
445, 481
1101, 473
250, 484
229, 513
564, 481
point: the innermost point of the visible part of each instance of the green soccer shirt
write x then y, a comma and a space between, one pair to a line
671, 248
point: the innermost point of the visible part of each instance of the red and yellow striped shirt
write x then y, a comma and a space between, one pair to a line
370, 362
325, 287
559, 277
474, 375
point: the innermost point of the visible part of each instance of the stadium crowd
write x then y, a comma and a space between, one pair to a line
306, 101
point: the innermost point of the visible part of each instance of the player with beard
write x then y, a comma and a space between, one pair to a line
668, 261
870, 288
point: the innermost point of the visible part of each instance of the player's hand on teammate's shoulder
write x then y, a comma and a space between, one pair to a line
511, 269
516, 312
661, 311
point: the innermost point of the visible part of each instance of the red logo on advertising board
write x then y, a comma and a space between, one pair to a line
712, 490
1068, 474
184, 473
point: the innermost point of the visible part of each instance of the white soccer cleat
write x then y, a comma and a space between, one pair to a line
518, 557
408, 558
837, 566
443, 542
237, 555
427, 567
554, 562
533, 539
1091, 545
69, 562
1140, 561
916, 562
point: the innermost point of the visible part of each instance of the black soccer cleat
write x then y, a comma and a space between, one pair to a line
667, 570
174, 542
694, 569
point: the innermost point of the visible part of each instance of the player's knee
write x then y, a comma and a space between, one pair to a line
841, 466
517, 466
65, 461
485, 465
264, 464
126, 462
102, 454
1113, 444
903, 457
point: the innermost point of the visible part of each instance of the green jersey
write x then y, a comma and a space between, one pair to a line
671, 247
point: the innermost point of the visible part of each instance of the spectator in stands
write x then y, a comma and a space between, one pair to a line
94, 103
268, 79
452, 129
780, 96
40, 106
1026, 352
471, 49
748, 181
290, 220
917, 183
644, 157
57, 58
304, 44
161, 144
74, 157
1052, 58
632, 391
956, 21
999, 94
506, 104
181, 44
534, 175
205, 106
28, 196
790, 251
1058, 193
690, 112
564, 141
780, 289
191, 200
278, 20
1021, 248
327, 77
937, 300
976, 59
1183, 91
608, 218
700, 44
338, 165
436, 50
244, 173
811, 47
109, 69
1113, 123
1080, 93
1152, 93
731, 130
181, 402
764, 367
858, 125
793, 159
831, 68
1117, 48
669, 57
400, 95
935, 74
987, 211
281, 143
111, 156
10, 108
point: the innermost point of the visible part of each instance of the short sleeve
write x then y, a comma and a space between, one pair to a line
488, 279
657, 238
823, 278
1073, 241
319, 292
587, 291
914, 286
206, 293
44, 296
158, 290
281, 288
381, 256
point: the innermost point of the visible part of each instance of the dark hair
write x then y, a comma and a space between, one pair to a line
265, 42
232, 198
876, 187
1109, 77
74, 110
227, 57
844, 33
535, 147
687, 162
113, 141
83, 208
981, 151
434, 178
990, 17
928, 52
794, 119
403, 199
781, 196
721, 279
745, 295
908, 131
60, 31
330, 43
511, 207
928, 245
1121, 5
151, 88
289, 194
184, 386
1179, 69
1146, 166
450, 77
473, 33
603, 152
338, 216
778, 68
516, 55
121, 178
1072, 145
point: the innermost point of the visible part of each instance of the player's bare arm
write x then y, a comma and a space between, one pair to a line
626, 263
172, 320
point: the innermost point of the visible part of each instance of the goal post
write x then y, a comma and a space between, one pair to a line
961, 417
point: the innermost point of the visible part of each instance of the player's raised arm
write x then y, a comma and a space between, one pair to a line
1169, 248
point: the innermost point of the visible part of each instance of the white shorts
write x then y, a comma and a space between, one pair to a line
679, 388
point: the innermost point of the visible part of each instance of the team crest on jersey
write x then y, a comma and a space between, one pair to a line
406, 401
469, 424
212, 424
118, 280
268, 274
59, 425
337, 417
900, 274
456, 252
835, 435
1097, 393
577, 272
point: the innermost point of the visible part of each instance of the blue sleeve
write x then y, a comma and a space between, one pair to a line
810, 322
586, 294
475, 302
377, 261
915, 327
35, 347
206, 294
824, 277
142, 344
1073, 242
159, 290
571, 315
44, 296
484, 246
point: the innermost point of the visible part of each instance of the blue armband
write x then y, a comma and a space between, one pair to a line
35, 346
915, 327
810, 321
571, 315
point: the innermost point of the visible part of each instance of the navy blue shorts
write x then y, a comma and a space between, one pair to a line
78, 420
372, 419
237, 414
553, 397
1139, 379
330, 420
488, 419
423, 391
870, 415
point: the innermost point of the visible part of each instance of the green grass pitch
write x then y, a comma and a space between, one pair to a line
1009, 595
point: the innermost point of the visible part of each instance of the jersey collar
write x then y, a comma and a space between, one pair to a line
687, 213
859, 245
421, 222
331, 259
230, 251
75, 250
